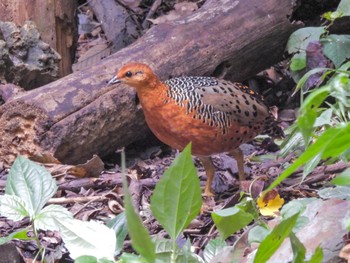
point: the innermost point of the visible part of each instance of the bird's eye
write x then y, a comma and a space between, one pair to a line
128, 74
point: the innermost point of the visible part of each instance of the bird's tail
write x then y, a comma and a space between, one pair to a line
272, 129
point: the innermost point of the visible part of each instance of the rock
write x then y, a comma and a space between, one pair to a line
25, 59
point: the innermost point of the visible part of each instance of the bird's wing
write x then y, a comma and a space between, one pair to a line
239, 102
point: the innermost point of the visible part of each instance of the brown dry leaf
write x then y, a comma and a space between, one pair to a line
345, 252
180, 10
44, 158
269, 203
92, 167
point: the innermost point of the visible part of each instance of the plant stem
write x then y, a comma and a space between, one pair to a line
36, 238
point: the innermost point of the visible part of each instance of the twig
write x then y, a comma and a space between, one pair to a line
78, 199
151, 12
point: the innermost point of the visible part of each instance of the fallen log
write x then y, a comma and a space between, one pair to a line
78, 115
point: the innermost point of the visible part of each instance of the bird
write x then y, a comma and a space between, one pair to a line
215, 115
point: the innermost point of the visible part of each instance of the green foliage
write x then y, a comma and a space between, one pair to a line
28, 188
213, 248
140, 238
334, 47
118, 224
176, 200
232, 219
342, 179
273, 240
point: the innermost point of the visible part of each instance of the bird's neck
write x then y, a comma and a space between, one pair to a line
152, 95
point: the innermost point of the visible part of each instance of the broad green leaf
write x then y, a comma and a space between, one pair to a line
324, 119
342, 179
299, 39
213, 248
298, 62
232, 219
131, 258
32, 183
344, 7
308, 111
317, 257
303, 80
338, 192
91, 259
177, 199
48, 216
118, 224
164, 253
13, 207
331, 143
272, 242
21, 235
257, 234
298, 248
90, 238
336, 48
140, 239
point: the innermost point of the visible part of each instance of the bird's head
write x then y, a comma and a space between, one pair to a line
135, 74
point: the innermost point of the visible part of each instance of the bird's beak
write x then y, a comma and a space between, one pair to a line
114, 80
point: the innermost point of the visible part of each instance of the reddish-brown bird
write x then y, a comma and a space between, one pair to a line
215, 115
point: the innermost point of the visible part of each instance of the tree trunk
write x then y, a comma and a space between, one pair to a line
78, 116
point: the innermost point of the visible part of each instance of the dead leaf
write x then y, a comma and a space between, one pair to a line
44, 158
269, 203
345, 252
93, 167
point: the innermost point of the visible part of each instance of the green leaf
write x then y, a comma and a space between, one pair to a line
272, 242
257, 234
132, 258
317, 257
140, 239
87, 238
336, 48
309, 111
165, 251
91, 259
13, 207
177, 199
232, 219
48, 216
338, 192
344, 7
32, 183
213, 248
21, 235
324, 119
298, 248
298, 62
299, 39
303, 80
331, 143
310, 166
118, 224
342, 179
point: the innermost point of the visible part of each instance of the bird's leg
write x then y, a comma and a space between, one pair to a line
210, 172
238, 155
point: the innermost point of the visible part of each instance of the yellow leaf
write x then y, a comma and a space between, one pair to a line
269, 203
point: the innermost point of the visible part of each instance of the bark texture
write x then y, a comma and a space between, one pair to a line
78, 116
